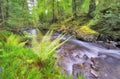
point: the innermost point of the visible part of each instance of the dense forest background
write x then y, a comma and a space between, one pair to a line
101, 15
44, 39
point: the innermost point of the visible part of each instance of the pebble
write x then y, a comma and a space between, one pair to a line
94, 73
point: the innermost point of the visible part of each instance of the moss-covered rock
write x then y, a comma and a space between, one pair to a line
81, 32
86, 33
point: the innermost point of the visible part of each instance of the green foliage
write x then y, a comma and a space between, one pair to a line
4, 34
13, 60
107, 22
16, 13
22, 63
9, 41
46, 48
85, 6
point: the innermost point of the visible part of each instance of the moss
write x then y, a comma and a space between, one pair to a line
87, 30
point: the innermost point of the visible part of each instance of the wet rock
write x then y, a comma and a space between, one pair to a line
93, 72
118, 44
109, 44
77, 70
91, 60
108, 68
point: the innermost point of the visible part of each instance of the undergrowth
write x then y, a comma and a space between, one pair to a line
37, 62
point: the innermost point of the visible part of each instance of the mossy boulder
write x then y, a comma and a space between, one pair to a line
80, 32
86, 33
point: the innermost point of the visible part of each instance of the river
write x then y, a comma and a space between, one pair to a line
90, 59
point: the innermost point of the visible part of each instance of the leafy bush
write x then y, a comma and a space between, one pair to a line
107, 23
18, 62
13, 60
4, 34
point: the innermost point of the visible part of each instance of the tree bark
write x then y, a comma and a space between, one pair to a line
92, 8
7, 9
53, 11
58, 8
74, 8
1, 11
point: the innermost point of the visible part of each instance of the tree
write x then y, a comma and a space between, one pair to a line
1, 11
7, 9
74, 8
92, 7
54, 19
4, 10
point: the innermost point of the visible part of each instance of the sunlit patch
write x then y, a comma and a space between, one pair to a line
86, 29
59, 0
46, 11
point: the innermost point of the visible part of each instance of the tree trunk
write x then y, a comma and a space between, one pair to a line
58, 8
74, 8
92, 8
53, 11
1, 11
7, 9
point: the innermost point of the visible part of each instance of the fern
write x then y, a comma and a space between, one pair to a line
45, 48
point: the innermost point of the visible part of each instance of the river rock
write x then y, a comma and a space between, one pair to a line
91, 60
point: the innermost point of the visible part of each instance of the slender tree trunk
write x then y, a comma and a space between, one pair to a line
7, 9
53, 11
74, 8
92, 8
1, 19
58, 8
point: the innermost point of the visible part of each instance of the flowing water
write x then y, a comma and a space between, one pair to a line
92, 60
